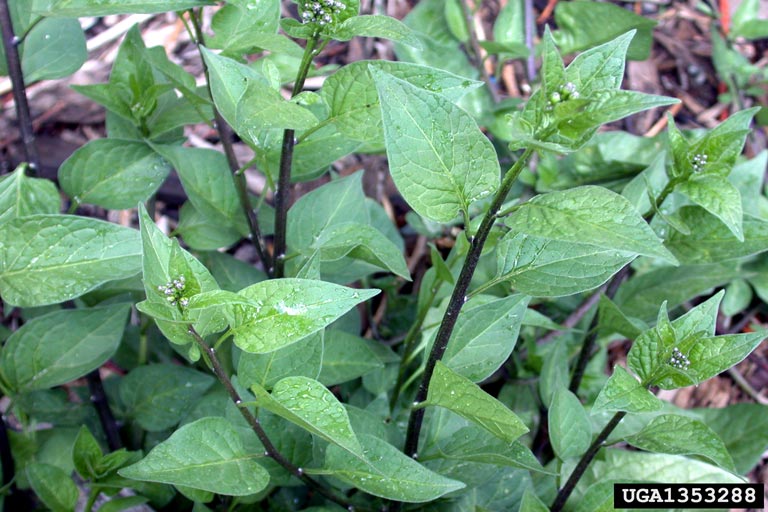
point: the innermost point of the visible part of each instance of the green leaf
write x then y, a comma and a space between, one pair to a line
613, 320
275, 313
628, 466
21, 195
86, 453
239, 21
643, 293
588, 215
457, 23
261, 107
474, 444
458, 394
113, 174
79, 8
710, 241
570, 430
681, 435
62, 346
53, 486
383, 27
208, 183
41, 55
120, 504
201, 233
362, 242
335, 203
310, 405
228, 80
543, 267
623, 392
532, 503
157, 396
163, 262
207, 455
346, 357
583, 25
484, 337
302, 358
387, 472
744, 429
719, 197
354, 103
46, 259
440, 161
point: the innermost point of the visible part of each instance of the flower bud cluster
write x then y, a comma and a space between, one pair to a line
321, 12
565, 92
173, 291
699, 161
679, 360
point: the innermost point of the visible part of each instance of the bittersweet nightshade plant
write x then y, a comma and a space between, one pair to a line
235, 385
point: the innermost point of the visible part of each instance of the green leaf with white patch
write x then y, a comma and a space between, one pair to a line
21, 195
156, 396
114, 174
207, 455
484, 337
310, 405
46, 259
273, 314
62, 346
439, 159
386, 472
719, 197
542, 267
589, 215
460, 395
623, 392
570, 430
681, 435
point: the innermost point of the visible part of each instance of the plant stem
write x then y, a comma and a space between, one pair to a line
283, 192
106, 418
477, 51
589, 342
457, 301
586, 459
255, 424
225, 135
10, 45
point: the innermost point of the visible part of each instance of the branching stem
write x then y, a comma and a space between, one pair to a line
255, 424
283, 192
225, 135
10, 45
457, 301
583, 464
